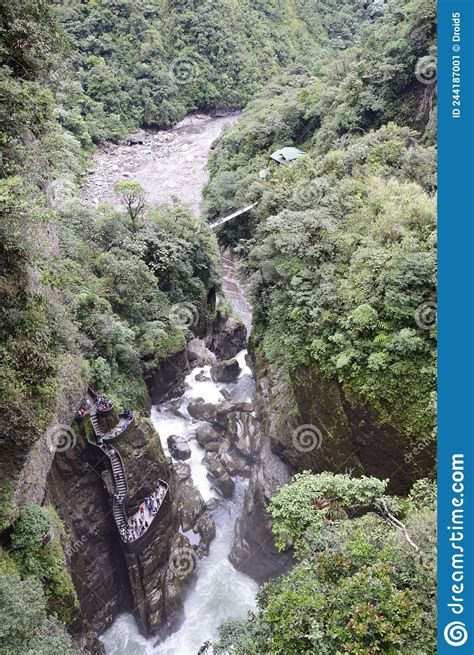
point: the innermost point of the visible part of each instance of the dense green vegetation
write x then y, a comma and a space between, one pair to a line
127, 64
30, 346
358, 585
139, 275
35, 587
93, 296
44, 561
117, 288
76, 283
340, 251
25, 626
341, 246
149, 63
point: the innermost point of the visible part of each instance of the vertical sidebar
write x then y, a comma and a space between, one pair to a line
455, 328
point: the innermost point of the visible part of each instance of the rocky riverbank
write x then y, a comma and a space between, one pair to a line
169, 164
238, 467
109, 580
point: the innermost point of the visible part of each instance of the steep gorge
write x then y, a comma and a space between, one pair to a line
140, 311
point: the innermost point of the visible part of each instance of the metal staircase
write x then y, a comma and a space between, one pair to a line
118, 472
95, 424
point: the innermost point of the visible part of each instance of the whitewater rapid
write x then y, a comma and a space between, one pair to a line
221, 592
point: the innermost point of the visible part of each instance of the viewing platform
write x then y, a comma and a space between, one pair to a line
134, 530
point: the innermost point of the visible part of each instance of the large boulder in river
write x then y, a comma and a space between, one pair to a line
206, 434
178, 447
219, 476
206, 529
198, 354
190, 504
182, 470
217, 414
135, 139
243, 431
226, 371
234, 462
228, 336
201, 411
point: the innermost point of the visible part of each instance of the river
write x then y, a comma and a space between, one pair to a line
170, 165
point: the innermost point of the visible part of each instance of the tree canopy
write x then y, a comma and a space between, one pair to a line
341, 247
358, 586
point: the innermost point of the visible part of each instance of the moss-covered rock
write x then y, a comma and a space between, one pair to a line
312, 424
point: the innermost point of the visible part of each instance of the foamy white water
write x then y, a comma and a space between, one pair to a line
221, 592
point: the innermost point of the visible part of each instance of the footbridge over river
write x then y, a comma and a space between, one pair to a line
230, 217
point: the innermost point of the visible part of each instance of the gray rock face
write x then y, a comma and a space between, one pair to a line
228, 336
206, 529
162, 585
179, 447
93, 553
80, 486
164, 569
206, 434
25, 473
244, 433
182, 470
253, 550
158, 586
225, 371
233, 461
351, 436
190, 505
198, 354
166, 380
219, 476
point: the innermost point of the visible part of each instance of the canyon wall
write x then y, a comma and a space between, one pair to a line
308, 423
312, 424
63, 469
